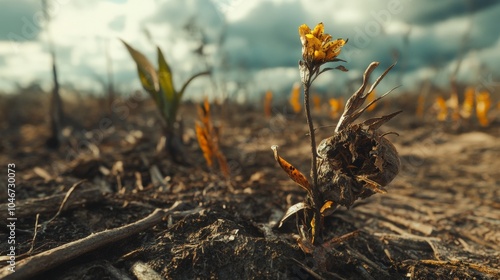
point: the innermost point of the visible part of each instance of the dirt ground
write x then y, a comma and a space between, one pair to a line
439, 220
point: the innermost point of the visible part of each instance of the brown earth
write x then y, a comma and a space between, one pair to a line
439, 220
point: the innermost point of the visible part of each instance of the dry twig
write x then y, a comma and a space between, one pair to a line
41, 262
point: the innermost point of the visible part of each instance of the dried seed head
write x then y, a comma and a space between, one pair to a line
357, 161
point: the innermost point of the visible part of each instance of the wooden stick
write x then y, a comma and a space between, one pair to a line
51, 204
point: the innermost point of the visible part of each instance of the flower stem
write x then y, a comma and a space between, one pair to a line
316, 198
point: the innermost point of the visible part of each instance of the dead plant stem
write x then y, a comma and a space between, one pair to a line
314, 170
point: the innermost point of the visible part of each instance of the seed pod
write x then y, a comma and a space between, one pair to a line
357, 161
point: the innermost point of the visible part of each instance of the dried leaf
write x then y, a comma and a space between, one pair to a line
292, 172
328, 208
202, 136
208, 139
292, 210
375, 123
352, 109
372, 185
342, 68
313, 229
306, 246
223, 166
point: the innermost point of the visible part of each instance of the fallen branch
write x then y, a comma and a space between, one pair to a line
51, 204
30, 267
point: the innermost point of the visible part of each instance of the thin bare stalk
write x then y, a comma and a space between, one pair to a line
314, 169
56, 111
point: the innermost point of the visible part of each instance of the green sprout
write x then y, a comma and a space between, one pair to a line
159, 84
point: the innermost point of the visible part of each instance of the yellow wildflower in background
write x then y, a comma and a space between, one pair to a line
268, 103
468, 105
483, 105
316, 102
372, 96
317, 46
336, 107
295, 99
442, 108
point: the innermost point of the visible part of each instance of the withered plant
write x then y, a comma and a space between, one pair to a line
357, 161
208, 139
56, 104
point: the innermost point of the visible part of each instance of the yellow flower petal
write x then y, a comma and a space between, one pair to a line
304, 29
319, 55
333, 48
317, 46
318, 30
326, 38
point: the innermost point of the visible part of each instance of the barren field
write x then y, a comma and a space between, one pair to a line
439, 220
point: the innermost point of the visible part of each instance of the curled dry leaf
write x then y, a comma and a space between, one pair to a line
292, 210
293, 172
202, 136
328, 208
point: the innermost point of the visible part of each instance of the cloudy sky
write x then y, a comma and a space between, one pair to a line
252, 45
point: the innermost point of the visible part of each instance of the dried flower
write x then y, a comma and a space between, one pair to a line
317, 46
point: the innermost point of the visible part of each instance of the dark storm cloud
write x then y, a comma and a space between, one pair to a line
441, 44
267, 36
484, 30
20, 20
425, 12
